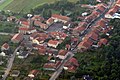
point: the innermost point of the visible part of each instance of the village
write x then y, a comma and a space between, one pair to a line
57, 40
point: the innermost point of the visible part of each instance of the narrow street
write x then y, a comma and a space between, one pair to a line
3, 33
10, 63
59, 70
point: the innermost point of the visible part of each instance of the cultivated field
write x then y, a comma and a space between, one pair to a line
24, 5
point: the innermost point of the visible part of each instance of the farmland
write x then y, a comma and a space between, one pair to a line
24, 5
5, 3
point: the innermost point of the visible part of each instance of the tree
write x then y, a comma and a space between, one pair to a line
62, 11
49, 13
32, 11
44, 13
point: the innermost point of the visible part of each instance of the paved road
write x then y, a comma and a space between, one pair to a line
3, 33
60, 68
10, 63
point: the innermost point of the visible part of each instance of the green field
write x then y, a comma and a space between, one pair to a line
24, 5
5, 3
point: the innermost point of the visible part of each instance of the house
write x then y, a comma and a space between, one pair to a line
33, 73
41, 25
84, 45
34, 35
101, 7
50, 52
58, 35
2, 54
42, 51
112, 11
60, 18
71, 65
23, 54
78, 30
37, 47
92, 35
102, 41
118, 2
11, 18
5, 46
37, 18
25, 24
49, 21
67, 47
74, 41
25, 30
102, 23
62, 54
52, 65
38, 38
32, 30
15, 73
53, 43
17, 38
19, 21
89, 18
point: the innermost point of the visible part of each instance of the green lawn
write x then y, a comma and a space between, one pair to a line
3, 39
5, 4
6, 27
25, 5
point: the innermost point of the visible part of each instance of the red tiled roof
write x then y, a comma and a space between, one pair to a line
52, 65
82, 24
17, 36
54, 42
34, 72
102, 41
85, 44
34, 34
5, 45
118, 2
23, 19
102, 23
42, 25
71, 68
71, 64
25, 23
42, 51
79, 29
92, 35
61, 35
62, 52
68, 46
39, 35
74, 61
50, 20
61, 17
23, 28
37, 17
113, 10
